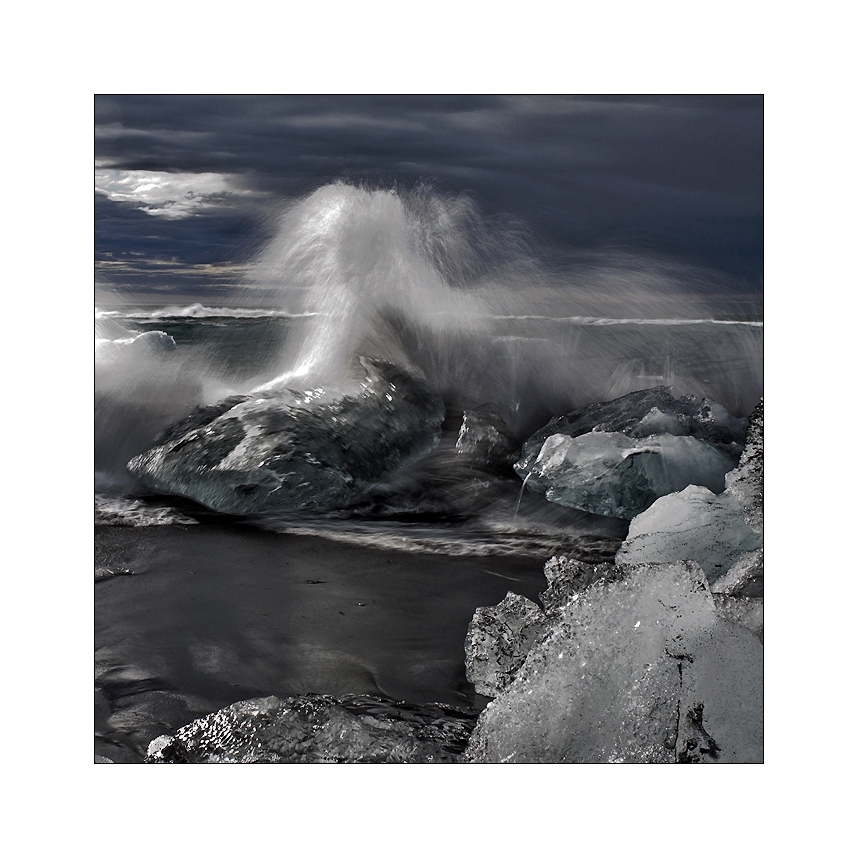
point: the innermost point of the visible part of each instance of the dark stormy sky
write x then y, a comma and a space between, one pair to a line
186, 186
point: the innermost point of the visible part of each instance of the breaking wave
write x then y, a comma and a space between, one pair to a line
424, 282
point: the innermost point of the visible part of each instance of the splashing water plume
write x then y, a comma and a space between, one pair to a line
425, 282
362, 263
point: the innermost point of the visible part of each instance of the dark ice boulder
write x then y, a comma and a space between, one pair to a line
617, 458
485, 439
287, 450
319, 729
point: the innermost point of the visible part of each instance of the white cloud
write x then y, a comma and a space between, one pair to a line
168, 195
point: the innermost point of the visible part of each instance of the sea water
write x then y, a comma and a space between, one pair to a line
461, 301
421, 281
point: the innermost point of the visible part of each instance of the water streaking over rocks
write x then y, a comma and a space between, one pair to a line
424, 539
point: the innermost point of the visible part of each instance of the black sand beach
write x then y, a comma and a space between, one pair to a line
214, 614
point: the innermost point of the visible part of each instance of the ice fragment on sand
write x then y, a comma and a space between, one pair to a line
723, 533
498, 640
281, 451
644, 413
319, 729
638, 669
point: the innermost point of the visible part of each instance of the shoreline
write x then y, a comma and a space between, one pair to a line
199, 617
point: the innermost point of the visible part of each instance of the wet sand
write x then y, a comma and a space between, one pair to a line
214, 614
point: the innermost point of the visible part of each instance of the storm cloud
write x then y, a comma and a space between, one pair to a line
186, 186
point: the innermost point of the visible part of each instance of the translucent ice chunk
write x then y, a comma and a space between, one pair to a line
694, 524
568, 577
640, 414
500, 637
639, 669
613, 474
723, 533
616, 458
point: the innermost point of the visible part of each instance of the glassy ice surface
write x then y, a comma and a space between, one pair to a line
500, 637
283, 450
694, 524
617, 458
643, 413
319, 729
611, 474
642, 669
